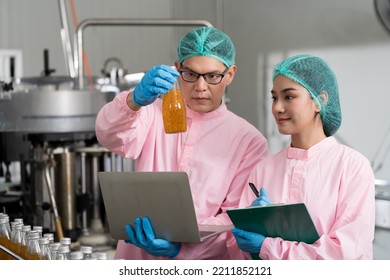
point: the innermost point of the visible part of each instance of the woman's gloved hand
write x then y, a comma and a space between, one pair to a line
248, 241
158, 80
144, 238
262, 200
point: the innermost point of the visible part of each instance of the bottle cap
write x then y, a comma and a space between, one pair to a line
101, 255
63, 249
38, 228
54, 246
49, 235
66, 241
86, 249
26, 228
43, 240
76, 255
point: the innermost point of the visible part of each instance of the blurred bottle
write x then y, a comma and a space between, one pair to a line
101, 256
63, 253
16, 238
5, 239
5, 216
23, 246
76, 255
50, 236
53, 247
18, 220
44, 253
33, 248
87, 252
39, 229
66, 241
174, 111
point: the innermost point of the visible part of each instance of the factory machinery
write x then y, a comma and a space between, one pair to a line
49, 154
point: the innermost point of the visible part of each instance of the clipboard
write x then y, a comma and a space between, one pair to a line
290, 222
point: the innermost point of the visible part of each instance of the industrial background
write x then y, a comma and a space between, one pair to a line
46, 130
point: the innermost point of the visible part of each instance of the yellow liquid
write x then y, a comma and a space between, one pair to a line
23, 251
5, 242
14, 248
33, 256
174, 112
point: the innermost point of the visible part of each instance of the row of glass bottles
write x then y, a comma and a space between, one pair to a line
19, 241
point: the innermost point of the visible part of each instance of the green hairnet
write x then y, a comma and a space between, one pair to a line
315, 75
207, 41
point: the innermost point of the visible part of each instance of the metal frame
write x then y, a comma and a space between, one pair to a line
78, 50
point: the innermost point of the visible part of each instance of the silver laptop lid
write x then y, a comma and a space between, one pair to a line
164, 197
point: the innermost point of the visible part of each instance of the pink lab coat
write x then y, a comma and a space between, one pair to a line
218, 152
337, 185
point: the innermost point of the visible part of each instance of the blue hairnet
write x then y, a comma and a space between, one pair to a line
314, 74
207, 41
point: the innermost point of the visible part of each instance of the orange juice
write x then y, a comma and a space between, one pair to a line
174, 111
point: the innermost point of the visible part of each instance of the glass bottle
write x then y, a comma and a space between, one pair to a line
174, 111
76, 255
5, 240
13, 224
44, 253
8, 223
54, 250
19, 220
87, 252
66, 241
23, 246
50, 236
101, 256
63, 253
33, 248
38, 229
16, 238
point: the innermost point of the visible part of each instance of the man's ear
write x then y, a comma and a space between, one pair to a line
177, 64
230, 74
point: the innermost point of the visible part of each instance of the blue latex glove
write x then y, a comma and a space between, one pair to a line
144, 238
248, 241
156, 81
262, 200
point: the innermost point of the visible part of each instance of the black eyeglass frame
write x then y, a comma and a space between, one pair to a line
222, 75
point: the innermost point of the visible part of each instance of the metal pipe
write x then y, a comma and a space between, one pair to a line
65, 188
113, 163
84, 221
78, 49
57, 218
95, 187
65, 36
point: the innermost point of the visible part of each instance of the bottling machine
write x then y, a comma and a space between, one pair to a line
47, 128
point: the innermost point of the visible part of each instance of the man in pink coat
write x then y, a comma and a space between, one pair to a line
218, 150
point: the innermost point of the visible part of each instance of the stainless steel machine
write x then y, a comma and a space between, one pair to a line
47, 126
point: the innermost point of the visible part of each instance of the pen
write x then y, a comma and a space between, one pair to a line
254, 189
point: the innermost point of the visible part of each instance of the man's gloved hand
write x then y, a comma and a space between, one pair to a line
248, 241
144, 238
262, 200
158, 80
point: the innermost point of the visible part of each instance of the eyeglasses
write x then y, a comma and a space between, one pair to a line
210, 78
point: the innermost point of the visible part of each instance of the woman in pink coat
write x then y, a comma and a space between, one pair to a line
218, 150
334, 181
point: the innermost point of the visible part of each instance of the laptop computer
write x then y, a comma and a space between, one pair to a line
164, 197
